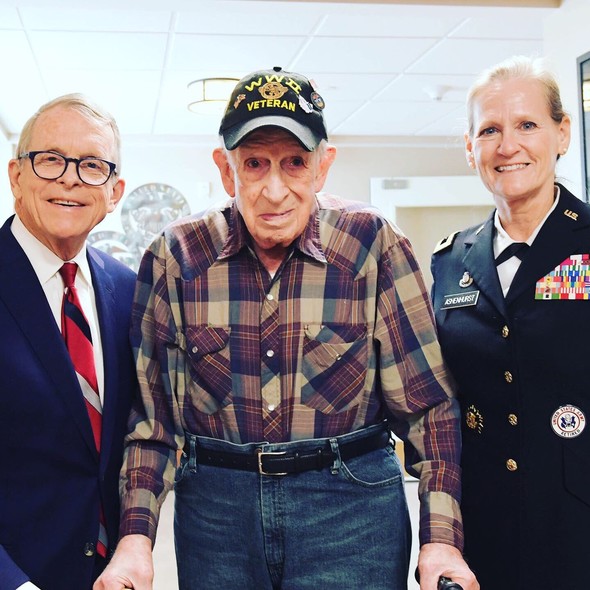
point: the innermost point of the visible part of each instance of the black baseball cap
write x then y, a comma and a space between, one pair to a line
277, 98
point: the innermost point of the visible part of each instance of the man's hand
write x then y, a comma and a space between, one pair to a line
131, 566
438, 559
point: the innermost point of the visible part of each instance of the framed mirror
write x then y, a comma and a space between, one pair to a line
584, 101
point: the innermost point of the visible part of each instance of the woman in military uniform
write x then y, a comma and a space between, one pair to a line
511, 299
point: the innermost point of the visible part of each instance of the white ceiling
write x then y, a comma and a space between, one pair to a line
374, 64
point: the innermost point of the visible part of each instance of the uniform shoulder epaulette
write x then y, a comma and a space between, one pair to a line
445, 242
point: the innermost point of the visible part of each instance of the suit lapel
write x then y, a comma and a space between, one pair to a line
105, 307
25, 300
479, 262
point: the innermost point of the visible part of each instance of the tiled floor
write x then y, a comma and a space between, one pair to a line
165, 563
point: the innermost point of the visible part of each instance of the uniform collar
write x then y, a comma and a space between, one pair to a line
502, 240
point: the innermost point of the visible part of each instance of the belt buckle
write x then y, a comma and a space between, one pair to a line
260, 453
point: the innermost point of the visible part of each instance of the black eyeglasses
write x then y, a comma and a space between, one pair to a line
51, 166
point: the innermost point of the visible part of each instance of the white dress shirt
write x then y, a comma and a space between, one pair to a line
502, 240
46, 265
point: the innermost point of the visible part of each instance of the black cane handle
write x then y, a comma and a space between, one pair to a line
446, 584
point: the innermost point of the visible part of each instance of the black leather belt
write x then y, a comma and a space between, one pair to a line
292, 461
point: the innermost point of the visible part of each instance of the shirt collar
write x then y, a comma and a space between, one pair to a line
308, 242
502, 240
46, 263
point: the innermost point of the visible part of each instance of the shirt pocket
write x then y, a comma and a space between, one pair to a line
334, 366
210, 379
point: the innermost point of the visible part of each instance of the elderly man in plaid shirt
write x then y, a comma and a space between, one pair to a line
280, 339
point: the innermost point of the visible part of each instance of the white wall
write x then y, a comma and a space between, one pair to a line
565, 39
6, 199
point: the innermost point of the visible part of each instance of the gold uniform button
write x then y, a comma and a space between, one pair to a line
511, 465
508, 376
505, 332
513, 419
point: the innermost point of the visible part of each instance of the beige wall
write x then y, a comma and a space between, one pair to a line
426, 226
355, 166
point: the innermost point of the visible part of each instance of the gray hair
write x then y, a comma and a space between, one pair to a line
84, 106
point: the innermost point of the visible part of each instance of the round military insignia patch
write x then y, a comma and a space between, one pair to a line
317, 100
568, 421
474, 419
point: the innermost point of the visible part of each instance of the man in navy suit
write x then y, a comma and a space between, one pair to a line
54, 482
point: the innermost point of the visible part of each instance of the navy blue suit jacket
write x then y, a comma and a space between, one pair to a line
51, 476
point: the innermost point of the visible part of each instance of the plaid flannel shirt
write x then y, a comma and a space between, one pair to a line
340, 338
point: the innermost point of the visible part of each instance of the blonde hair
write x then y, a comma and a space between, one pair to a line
518, 66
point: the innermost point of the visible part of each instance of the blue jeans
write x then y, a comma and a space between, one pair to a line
339, 528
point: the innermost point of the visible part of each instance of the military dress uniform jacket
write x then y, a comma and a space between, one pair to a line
521, 367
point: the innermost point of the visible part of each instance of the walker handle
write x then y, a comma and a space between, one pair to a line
446, 584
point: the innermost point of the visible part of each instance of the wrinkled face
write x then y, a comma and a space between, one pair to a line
515, 141
274, 181
60, 213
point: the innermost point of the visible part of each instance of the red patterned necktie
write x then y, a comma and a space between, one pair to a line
76, 332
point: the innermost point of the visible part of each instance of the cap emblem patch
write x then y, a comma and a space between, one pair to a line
272, 90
